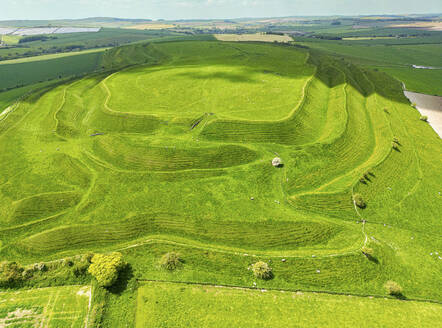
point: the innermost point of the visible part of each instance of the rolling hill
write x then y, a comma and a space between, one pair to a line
171, 149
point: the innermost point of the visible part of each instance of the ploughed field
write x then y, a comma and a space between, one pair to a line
175, 154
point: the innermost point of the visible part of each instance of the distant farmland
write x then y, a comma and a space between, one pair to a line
25, 71
253, 37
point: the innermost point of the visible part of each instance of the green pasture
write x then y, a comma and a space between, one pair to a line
178, 305
66, 306
172, 151
395, 57
26, 72
419, 80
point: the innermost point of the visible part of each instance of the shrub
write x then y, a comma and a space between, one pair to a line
80, 268
40, 266
359, 201
394, 146
170, 261
367, 251
262, 270
396, 140
106, 268
67, 262
393, 288
87, 257
424, 118
10, 273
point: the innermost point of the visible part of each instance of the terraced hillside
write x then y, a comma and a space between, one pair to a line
175, 154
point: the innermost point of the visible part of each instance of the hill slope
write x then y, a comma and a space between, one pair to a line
175, 154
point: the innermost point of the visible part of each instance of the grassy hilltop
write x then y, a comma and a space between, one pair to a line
172, 151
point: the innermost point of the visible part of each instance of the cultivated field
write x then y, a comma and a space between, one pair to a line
152, 26
26, 71
51, 56
180, 305
253, 37
46, 307
175, 154
430, 26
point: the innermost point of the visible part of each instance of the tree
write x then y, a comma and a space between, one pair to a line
359, 201
170, 261
367, 251
262, 270
393, 288
106, 268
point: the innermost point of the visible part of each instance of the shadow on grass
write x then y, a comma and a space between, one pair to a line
126, 274
371, 258
399, 296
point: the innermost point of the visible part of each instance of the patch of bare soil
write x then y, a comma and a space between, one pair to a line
430, 26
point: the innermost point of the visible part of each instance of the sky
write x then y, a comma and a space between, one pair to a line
208, 9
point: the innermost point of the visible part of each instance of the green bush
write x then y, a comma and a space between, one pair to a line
80, 268
106, 268
393, 288
424, 118
262, 270
170, 261
359, 201
10, 273
367, 251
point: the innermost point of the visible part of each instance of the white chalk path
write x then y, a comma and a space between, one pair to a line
430, 106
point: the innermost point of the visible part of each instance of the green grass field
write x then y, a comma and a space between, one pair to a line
394, 57
27, 71
178, 305
45, 307
172, 151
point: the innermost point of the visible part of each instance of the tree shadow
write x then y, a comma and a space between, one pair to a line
371, 258
399, 296
125, 275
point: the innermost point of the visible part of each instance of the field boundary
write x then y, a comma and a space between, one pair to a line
191, 283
